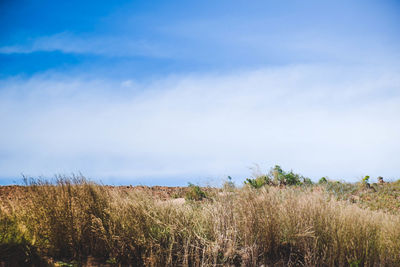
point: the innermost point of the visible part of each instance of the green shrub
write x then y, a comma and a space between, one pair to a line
307, 181
277, 176
291, 178
323, 180
258, 182
288, 178
195, 193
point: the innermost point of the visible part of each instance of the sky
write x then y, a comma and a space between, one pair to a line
171, 92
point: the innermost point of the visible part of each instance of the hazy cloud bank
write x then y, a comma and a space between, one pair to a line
318, 120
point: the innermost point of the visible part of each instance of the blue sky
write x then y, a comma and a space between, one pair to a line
166, 92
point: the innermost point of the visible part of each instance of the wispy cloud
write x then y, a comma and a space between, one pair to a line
317, 119
114, 46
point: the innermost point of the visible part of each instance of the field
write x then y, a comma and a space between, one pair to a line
74, 222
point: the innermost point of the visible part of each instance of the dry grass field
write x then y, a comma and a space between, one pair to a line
74, 222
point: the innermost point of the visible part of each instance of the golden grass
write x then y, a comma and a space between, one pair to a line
294, 226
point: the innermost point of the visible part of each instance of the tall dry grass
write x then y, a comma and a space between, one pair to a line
74, 219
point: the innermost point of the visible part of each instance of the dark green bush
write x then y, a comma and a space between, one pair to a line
288, 178
323, 180
195, 193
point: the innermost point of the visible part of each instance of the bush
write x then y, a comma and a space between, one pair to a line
258, 182
307, 181
195, 193
291, 178
277, 176
288, 178
323, 180
365, 180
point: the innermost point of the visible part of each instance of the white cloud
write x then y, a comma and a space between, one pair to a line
317, 120
105, 45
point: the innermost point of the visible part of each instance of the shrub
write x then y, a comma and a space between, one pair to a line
288, 178
291, 178
323, 180
258, 182
195, 193
307, 181
278, 176
365, 180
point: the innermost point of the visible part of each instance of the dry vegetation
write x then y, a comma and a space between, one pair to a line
74, 222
